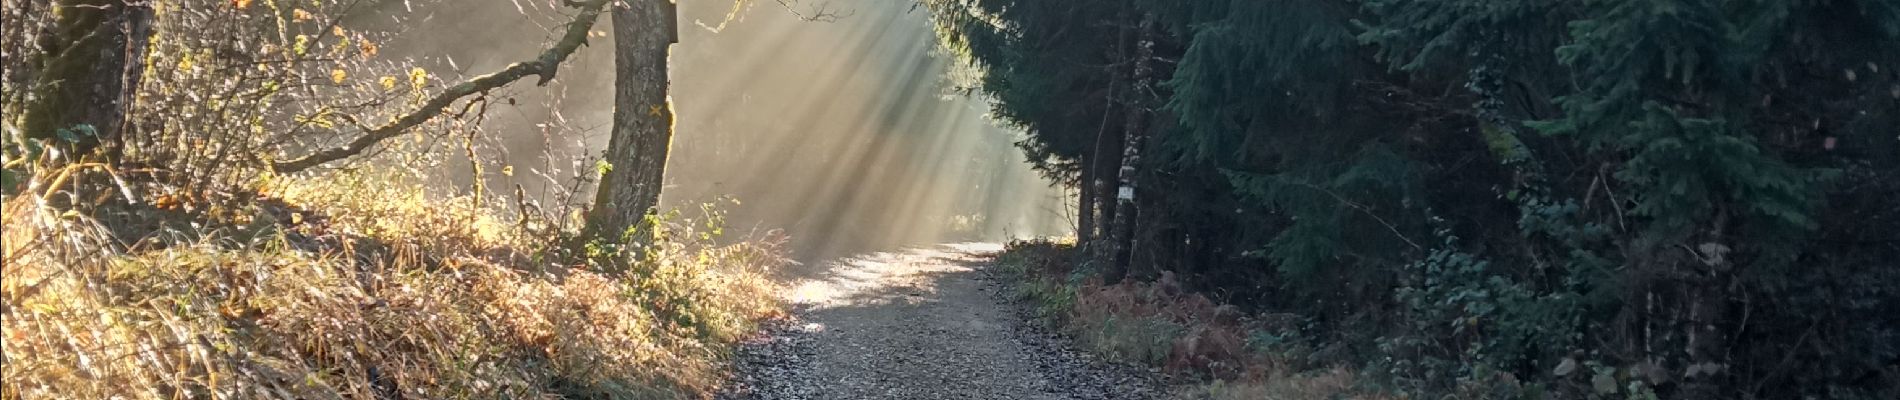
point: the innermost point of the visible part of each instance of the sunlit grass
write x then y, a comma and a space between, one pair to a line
458, 315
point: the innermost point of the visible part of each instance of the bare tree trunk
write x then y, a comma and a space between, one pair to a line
1103, 159
1088, 183
644, 32
1107, 142
88, 72
1085, 203
1092, 185
1121, 237
25, 20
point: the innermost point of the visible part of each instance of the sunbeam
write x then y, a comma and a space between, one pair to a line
844, 134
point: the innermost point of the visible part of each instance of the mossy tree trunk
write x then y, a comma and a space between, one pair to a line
88, 72
644, 32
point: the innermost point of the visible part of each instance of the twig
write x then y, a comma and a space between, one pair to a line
820, 13
1362, 209
545, 66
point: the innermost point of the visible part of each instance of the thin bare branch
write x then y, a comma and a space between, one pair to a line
823, 12
545, 66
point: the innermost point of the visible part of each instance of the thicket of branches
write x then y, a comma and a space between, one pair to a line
246, 199
216, 94
1675, 198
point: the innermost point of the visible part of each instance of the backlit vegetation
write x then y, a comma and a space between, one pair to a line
360, 289
172, 256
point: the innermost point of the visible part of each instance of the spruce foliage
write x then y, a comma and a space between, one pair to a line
1691, 198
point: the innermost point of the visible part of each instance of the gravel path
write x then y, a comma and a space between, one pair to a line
919, 324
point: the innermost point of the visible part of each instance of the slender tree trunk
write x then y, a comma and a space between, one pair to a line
644, 32
1105, 156
1706, 325
1107, 160
17, 37
1089, 183
1104, 161
1085, 202
1121, 237
89, 71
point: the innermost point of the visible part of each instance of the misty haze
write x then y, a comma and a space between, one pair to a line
846, 133
949, 199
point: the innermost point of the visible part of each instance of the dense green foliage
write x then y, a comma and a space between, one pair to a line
1687, 198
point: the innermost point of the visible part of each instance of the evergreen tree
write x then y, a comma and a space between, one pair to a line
1673, 188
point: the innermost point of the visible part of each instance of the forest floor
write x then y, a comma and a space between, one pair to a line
925, 323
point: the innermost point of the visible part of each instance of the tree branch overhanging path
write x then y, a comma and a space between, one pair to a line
544, 66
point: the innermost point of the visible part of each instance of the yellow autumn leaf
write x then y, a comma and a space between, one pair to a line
418, 78
300, 15
389, 82
508, 170
241, 4
321, 119
302, 45
338, 75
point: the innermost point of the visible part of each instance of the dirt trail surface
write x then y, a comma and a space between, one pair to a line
920, 324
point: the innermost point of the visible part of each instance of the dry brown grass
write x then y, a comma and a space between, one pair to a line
460, 318
1204, 345
1330, 384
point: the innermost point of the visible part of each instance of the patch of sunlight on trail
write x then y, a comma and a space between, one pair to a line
904, 276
